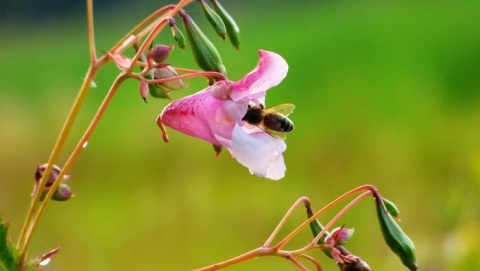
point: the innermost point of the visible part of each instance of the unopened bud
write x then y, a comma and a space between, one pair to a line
204, 52
214, 20
177, 34
391, 207
53, 174
395, 238
169, 72
339, 236
353, 263
62, 193
143, 89
231, 26
157, 92
159, 53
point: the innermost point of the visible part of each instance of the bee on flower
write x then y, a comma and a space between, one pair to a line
222, 115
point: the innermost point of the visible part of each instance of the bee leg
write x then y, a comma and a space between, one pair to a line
162, 128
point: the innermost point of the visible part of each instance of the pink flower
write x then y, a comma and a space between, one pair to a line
215, 115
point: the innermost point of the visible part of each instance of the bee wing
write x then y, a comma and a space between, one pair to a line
277, 135
284, 109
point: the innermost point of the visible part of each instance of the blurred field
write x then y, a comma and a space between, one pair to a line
387, 93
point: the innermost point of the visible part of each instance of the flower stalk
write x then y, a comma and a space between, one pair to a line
345, 260
37, 206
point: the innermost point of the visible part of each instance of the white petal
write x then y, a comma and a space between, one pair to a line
259, 152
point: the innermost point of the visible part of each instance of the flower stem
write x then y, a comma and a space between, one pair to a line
24, 238
285, 218
307, 222
37, 207
261, 251
91, 33
73, 156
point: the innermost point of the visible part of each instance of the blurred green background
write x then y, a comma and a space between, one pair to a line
387, 93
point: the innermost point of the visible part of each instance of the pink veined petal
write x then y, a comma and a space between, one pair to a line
259, 152
199, 115
269, 72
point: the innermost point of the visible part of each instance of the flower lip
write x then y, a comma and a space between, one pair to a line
215, 115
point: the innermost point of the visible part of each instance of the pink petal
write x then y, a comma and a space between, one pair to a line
201, 115
122, 62
270, 71
259, 152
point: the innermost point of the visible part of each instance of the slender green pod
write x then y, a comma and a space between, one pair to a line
214, 19
231, 26
204, 52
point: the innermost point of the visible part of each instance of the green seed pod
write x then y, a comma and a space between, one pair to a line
204, 53
233, 31
214, 19
316, 227
395, 238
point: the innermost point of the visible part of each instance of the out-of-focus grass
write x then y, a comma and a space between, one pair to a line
386, 93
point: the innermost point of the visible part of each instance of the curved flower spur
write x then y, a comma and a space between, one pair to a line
218, 114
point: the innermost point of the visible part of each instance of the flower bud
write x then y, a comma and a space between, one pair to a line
62, 193
168, 72
205, 54
233, 31
159, 53
391, 207
177, 34
395, 238
45, 259
53, 174
339, 236
214, 19
353, 263
157, 92
143, 89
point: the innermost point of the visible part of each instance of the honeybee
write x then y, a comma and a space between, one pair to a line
272, 120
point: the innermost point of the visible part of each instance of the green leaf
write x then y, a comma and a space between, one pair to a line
8, 252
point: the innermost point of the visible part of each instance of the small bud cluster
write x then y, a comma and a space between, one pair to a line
158, 78
63, 191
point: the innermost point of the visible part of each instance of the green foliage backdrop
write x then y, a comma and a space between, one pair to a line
387, 93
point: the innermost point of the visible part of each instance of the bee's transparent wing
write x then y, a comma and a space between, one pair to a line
284, 109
